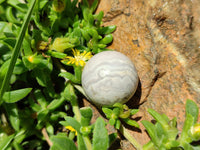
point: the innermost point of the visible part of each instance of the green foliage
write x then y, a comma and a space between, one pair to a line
86, 116
16, 95
5, 141
40, 90
164, 133
100, 135
61, 142
120, 113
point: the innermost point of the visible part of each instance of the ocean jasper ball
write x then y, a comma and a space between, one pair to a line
109, 77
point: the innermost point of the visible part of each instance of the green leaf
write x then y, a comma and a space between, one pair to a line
158, 117
13, 115
55, 104
69, 93
27, 47
43, 77
134, 111
131, 122
69, 121
160, 132
16, 50
1, 1
90, 19
187, 146
149, 146
192, 109
107, 112
151, 131
173, 122
16, 95
40, 98
42, 118
118, 124
85, 35
119, 105
17, 146
94, 6
189, 121
42, 114
107, 39
10, 41
6, 141
18, 69
56, 54
49, 128
10, 16
20, 136
34, 106
116, 112
172, 144
62, 143
112, 121
18, 5
78, 73
196, 147
70, 77
107, 30
42, 3
98, 18
86, 115
80, 89
5, 30
100, 135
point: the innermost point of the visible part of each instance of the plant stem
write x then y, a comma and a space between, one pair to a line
87, 142
77, 115
76, 108
44, 133
131, 139
76, 112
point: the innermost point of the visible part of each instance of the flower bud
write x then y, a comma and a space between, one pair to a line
59, 5
60, 44
86, 130
195, 132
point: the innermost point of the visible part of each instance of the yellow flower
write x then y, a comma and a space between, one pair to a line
71, 129
195, 131
30, 58
79, 59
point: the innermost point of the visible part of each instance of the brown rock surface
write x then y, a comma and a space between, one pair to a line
162, 38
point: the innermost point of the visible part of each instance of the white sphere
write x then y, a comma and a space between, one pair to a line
109, 77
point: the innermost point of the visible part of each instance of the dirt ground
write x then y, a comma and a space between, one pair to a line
162, 38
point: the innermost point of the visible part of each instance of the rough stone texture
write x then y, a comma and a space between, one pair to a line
162, 38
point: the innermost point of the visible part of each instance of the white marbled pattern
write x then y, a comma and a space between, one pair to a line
109, 77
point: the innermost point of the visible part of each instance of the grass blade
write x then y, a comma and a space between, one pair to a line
16, 51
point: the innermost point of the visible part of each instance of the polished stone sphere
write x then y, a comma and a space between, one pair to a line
109, 77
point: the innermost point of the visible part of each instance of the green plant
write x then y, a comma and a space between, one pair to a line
46, 44
120, 114
165, 135
37, 91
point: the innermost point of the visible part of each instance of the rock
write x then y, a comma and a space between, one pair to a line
109, 77
162, 38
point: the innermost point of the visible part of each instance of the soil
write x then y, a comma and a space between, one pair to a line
162, 38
